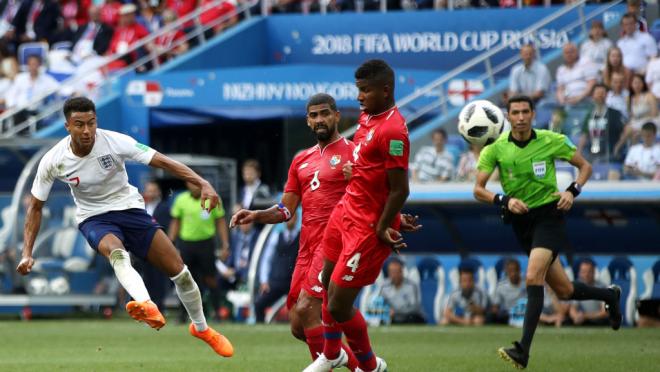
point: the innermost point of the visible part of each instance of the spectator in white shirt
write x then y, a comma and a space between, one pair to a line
652, 77
596, 47
637, 47
433, 163
575, 78
643, 159
28, 85
530, 77
617, 97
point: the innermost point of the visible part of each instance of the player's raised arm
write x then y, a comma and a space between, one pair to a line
32, 224
183, 172
280, 212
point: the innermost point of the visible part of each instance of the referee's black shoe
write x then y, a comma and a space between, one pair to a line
516, 355
614, 307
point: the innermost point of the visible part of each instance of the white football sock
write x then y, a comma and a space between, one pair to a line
188, 292
127, 276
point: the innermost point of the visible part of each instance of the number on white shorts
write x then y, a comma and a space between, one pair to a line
354, 262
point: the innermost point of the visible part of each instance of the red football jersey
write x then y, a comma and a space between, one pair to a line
381, 144
316, 176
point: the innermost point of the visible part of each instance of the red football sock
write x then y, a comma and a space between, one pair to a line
358, 339
314, 339
331, 333
352, 360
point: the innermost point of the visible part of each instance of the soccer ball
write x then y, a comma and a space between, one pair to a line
480, 122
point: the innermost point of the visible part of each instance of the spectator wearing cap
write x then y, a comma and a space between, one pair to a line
643, 159
402, 295
128, 33
637, 47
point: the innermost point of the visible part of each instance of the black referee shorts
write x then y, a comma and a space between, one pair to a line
199, 256
541, 227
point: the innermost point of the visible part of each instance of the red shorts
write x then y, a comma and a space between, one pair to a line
332, 243
362, 257
309, 265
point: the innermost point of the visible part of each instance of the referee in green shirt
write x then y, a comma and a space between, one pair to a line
535, 208
196, 230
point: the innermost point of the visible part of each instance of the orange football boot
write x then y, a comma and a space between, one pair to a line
147, 312
219, 343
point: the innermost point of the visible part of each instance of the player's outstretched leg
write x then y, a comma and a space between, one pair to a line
141, 308
165, 257
188, 293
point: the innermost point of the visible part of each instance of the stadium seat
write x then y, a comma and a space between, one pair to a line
29, 49
6, 227
494, 274
621, 272
651, 280
432, 288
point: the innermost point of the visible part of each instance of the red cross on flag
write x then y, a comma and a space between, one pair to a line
462, 91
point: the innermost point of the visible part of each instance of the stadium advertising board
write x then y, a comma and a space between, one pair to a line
263, 86
443, 40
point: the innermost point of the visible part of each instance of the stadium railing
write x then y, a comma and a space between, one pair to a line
50, 108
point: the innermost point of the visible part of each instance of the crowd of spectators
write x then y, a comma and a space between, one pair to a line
92, 39
603, 95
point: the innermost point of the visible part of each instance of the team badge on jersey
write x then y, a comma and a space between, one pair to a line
539, 168
336, 159
106, 162
370, 135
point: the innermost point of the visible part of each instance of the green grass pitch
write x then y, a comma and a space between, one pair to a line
123, 345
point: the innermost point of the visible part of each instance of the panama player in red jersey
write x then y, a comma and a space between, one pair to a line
316, 180
368, 217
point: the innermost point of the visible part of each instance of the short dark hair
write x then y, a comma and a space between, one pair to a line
78, 104
34, 55
466, 270
376, 70
321, 98
649, 125
520, 98
512, 261
441, 131
252, 163
629, 15
600, 85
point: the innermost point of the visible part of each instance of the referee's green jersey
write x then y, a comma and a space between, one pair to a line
527, 173
196, 223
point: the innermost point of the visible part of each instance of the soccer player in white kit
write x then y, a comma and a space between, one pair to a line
110, 213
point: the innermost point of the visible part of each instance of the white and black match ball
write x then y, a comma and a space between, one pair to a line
480, 122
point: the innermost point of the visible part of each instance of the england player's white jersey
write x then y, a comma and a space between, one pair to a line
98, 181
